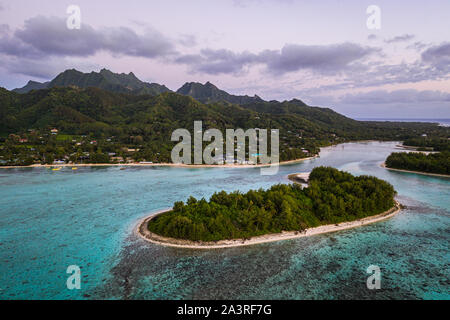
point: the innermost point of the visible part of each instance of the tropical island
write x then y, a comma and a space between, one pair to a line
109, 118
425, 143
432, 163
431, 156
334, 200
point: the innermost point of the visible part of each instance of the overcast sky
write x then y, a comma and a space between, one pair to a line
319, 51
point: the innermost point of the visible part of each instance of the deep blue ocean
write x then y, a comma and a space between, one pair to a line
50, 220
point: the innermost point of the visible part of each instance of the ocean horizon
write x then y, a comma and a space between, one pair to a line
443, 122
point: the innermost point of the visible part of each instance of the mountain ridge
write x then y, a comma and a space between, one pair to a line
207, 93
130, 84
105, 79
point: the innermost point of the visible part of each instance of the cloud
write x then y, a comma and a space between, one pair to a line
396, 73
34, 69
372, 37
438, 56
4, 29
45, 69
380, 74
395, 104
402, 38
44, 37
188, 40
406, 96
418, 46
216, 62
319, 58
48, 36
291, 58
47, 40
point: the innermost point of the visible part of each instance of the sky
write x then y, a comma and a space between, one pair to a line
326, 53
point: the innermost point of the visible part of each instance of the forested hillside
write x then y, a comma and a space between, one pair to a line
130, 127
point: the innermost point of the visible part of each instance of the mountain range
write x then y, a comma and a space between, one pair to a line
129, 83
143, 116
105, 79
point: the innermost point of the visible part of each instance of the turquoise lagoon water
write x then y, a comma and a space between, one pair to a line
50, 220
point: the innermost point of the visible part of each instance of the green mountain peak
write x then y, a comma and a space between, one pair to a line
105, 79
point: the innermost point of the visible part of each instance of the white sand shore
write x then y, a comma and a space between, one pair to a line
383, 165
145, 234
177, 165
300, 178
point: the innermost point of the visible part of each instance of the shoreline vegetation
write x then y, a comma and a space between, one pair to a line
427, 156
434, 163
383, 165
425, 143
143, 232
180, 165
333, 200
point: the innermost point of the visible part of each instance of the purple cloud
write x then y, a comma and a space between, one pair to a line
439, 56
402, 38
220, 61
291, 58
43, 36
322, 58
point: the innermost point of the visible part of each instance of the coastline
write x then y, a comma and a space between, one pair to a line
176, 165
143, 232
165, 164
383, 165
301, 178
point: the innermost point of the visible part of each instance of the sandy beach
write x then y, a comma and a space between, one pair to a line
145, 234
301, 178
177, 165
383, 165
